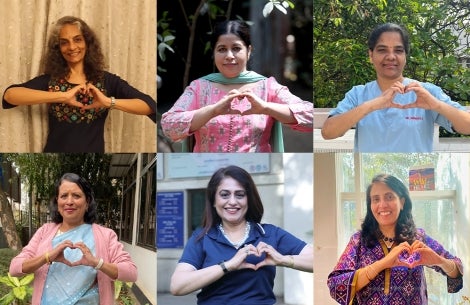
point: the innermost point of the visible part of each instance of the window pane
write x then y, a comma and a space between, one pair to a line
349, 222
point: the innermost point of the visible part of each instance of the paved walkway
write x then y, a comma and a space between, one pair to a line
168, 299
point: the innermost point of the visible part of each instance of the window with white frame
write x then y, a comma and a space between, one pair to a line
433, 210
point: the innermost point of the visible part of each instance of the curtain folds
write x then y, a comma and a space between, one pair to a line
127, 31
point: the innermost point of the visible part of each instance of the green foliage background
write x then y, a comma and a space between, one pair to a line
341, 30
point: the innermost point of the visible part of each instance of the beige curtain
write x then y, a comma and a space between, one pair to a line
127, 30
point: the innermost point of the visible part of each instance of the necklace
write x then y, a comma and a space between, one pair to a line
242, 241
387, 240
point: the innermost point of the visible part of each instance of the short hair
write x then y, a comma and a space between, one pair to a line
255, 206
405, 229
388, 27
54, 64
235, 27
90, 214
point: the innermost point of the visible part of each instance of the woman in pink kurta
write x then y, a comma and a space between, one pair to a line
73, 259
234, 110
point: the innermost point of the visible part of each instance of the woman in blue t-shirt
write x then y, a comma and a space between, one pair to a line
394, 113
233, 257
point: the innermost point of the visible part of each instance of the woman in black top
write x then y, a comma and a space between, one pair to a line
78, 90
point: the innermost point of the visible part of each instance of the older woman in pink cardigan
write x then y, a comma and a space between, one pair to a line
73, 259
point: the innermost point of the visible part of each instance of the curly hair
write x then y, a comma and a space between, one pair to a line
54, 64
405, 229
90, 214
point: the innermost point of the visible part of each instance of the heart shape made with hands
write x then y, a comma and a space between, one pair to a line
408, 97
240, 104
258, 257
73, 254
409, 258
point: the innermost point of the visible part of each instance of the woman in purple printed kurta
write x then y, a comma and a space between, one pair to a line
234, 110
377, 269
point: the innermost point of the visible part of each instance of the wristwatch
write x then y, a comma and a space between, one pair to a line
224, 268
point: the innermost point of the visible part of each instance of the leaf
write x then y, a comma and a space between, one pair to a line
19, 292
117, 289
168, 38
5, 280
14, 280
268, 8
281, 8
25, 280
7, 299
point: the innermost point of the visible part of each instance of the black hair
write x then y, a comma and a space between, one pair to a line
235, 27
405, 229
90, 214
388, 27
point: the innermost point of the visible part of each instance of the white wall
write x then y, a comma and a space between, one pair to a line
298, 220
325, 223
287, 194
146, 262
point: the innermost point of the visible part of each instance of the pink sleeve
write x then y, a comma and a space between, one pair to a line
127, 271
37, 245
302, 110
177, 121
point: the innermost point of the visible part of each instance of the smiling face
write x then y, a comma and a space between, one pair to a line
231, 201
385, 205
389, 56
72, 44
71, 203
231, 55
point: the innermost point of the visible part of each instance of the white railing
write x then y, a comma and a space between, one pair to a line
346, 142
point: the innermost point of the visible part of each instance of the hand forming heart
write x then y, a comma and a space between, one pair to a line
411, 259
262, 255
240, 104
73, 254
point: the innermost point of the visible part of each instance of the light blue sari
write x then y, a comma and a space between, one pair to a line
72, 285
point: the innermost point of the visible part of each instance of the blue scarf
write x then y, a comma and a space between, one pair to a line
244, 78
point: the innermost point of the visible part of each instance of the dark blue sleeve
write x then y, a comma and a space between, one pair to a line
120, 89
37, 83
286, 243
193, 253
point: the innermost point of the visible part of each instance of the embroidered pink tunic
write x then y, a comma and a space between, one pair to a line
233, 133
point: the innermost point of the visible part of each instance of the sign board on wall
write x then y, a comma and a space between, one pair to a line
203, 165
170, 220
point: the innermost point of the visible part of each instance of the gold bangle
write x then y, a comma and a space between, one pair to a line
366, 269
292, 264
453, 269
48, 261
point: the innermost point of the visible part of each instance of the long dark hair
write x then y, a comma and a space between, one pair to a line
255, 206
405, 229
54, 64
389, 27
90, 214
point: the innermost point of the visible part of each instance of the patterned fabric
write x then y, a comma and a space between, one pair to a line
72, 285
232, 133
70, 114
395, 286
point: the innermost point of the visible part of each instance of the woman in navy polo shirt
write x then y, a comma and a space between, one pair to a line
233, 257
